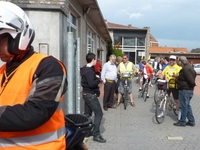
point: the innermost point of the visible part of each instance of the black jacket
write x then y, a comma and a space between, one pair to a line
89, 81
186, 79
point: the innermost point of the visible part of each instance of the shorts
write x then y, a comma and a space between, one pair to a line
121, 86
174, 93
145, 80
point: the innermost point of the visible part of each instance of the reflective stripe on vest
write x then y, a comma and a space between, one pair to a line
47, 136
32, 140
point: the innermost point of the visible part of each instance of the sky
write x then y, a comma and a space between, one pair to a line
174, 23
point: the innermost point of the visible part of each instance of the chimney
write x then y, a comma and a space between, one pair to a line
129, 25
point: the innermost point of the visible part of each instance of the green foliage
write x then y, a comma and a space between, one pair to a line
196, 50
116, 50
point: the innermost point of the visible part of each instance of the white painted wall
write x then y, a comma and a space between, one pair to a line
46, 24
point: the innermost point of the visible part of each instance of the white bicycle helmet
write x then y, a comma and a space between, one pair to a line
14, 21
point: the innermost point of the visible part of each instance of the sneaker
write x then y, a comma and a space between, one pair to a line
179, 114
161, 114
190, 124
179, 124
140, 89
147, 95
99, 139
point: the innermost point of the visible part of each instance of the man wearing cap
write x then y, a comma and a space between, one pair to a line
170, 73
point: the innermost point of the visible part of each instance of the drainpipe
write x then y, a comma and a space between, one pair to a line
70, 74
77, 66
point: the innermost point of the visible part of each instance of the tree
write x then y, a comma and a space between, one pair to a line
116, 50
196, 50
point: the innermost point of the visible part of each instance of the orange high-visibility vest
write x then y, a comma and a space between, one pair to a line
50, 135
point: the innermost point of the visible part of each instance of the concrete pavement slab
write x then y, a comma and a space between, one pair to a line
136, 128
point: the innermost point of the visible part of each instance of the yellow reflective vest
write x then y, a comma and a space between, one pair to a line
49, 136
128, 68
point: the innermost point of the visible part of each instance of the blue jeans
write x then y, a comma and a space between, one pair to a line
92, 102
186, 111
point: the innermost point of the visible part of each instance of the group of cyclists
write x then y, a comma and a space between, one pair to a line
162, 68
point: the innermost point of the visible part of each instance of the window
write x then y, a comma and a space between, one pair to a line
90, 42
140, 42
72, 25
118, 40
129, 41
98, 42
72, 19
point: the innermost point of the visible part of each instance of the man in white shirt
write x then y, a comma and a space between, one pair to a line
109, 78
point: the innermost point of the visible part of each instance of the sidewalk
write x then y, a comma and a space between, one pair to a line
136, 128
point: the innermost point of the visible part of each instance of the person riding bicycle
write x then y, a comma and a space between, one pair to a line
140, 65
32, 88
146, 75
170, 73
125, 66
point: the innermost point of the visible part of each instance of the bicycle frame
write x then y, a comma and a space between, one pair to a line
161, 108
139, 77
163, 102
144, 91
126, 95
145, 87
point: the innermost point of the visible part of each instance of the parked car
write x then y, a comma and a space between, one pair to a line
197, 68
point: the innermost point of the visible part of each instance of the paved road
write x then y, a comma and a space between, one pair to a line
136, 128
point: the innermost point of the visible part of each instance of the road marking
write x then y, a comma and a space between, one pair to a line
174, 137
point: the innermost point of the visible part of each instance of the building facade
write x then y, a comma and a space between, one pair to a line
68, 30
131, 40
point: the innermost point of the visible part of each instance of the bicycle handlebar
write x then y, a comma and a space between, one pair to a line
126, 75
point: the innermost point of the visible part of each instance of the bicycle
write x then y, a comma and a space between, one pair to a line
144, 91
125, 97
163, 101
139, 76
154, 79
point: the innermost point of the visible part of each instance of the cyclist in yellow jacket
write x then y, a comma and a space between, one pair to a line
31, 89
170, 73
125, 66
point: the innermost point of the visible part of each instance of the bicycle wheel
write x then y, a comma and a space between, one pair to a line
140, 94
159, 114
145, 92
125, 98
173, 105
156, 96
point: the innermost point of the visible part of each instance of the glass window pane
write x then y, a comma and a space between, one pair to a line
140, 42
117, 40
129, 41
68, 27
72, 19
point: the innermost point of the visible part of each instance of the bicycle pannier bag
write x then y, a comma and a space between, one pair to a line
162, 85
